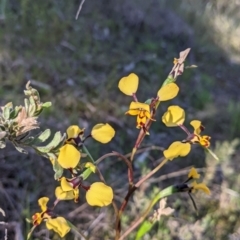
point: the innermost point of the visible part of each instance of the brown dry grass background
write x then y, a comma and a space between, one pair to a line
77, 65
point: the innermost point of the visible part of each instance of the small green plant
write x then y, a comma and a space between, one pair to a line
73, 163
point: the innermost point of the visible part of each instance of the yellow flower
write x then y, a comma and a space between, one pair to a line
168, 92
58, 224
177, 149
91, 166
103, 132
74, 134
69, 156
68, 190
193, 173
200, 186
174, 116
38, 217
99, 194
129, 84
198, 128
142, 110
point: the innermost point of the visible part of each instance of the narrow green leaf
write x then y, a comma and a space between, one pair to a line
26, 103
14, 113
42, 137
144, 228
6, 113
212, 153
57, 169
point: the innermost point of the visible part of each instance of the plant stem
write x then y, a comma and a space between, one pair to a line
88, 153
129, 194
164, 193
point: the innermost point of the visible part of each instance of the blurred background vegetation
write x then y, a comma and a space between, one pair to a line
77, 64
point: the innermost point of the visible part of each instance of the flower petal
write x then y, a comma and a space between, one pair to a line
201, 186
103, 132
174, 116
63, 195
91, 166
204, 141
66, 186
73, 131
129, 84
37, 219
42, 202
193, 173
168, 92
59, 225
69, 156
197, 125
139, 106
177, 149
99, 194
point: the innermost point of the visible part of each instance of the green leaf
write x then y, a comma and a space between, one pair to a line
57, 139
6, 113
148, 101
144, 228
61, 142
169, 79
42, 137
46, 104
31, 110
57, 169
26, 103
212, 153
15, 112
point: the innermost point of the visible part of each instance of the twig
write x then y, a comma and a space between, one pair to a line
79, 9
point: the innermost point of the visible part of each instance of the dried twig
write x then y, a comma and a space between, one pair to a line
79, 9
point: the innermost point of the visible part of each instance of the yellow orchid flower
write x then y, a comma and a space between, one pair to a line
74, 134
142, 111
200, 186
193, 173
99, 194
202, 140
57, 224
129, 84
68, 189
38, 217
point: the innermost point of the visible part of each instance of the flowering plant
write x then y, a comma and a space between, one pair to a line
67, 153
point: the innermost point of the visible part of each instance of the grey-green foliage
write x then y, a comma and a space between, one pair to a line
17, 123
